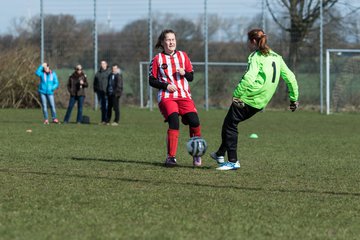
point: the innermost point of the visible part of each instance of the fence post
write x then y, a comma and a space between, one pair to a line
141, 86
95, 36
327, 82
321, 58
206, 57
150, 102
42, 31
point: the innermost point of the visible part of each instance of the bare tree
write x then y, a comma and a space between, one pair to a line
17, 79
302, 14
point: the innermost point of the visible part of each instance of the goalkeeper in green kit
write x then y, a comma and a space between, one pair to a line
253, 93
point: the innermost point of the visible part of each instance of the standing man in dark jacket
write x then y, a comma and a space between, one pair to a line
76, 87
100, 84
114, 91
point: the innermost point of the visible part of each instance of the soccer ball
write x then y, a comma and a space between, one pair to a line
196, 146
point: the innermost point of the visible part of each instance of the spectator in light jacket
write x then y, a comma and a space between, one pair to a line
48, 84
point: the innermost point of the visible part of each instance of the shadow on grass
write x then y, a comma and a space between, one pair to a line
147, 181
157, 164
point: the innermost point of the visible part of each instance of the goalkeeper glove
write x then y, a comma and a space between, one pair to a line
238, 103
294, 105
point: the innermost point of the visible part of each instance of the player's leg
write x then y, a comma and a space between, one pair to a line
230, 133
219, 155
190, 117
169, 109
172, 134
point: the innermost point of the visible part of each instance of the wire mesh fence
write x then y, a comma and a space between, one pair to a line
342, 83
125, 32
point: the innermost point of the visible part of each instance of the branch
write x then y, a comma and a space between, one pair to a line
274, 17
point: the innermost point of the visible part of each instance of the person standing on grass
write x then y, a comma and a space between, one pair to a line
76, 86
100, 84
48, 84
114, 91
253, 93
170, 72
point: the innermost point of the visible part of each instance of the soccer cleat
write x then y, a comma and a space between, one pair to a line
56, 121
229, 166
218, 159
170, 162
114, 124
197, 161
46, 122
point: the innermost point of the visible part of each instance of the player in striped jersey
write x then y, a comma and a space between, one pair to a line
170, 72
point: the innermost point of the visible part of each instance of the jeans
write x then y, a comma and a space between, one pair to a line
113, 103
48, 98
103, 105
72, 101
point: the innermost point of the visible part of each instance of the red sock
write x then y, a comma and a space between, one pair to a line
172, 141
195, 132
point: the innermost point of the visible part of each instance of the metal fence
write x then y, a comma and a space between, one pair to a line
215, 21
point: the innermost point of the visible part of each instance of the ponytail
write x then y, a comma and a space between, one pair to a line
261, 40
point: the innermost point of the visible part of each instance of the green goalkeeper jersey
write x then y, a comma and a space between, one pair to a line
261, 79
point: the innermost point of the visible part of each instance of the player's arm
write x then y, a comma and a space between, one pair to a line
157, 84
188, 71
189, 76
289, 78
249, 77
153, 81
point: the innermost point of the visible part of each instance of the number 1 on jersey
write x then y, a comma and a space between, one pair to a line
274, 71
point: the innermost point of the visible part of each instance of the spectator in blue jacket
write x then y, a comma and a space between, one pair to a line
48, 83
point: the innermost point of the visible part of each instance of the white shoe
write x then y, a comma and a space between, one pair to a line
229, 166
218, 159
197, 161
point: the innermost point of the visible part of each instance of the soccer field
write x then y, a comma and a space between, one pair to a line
299, 180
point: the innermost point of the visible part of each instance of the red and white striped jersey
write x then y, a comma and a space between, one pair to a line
163, 67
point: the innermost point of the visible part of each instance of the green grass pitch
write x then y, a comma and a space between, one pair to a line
299, 180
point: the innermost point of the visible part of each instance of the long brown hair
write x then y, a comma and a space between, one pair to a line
261, 40
162, 37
